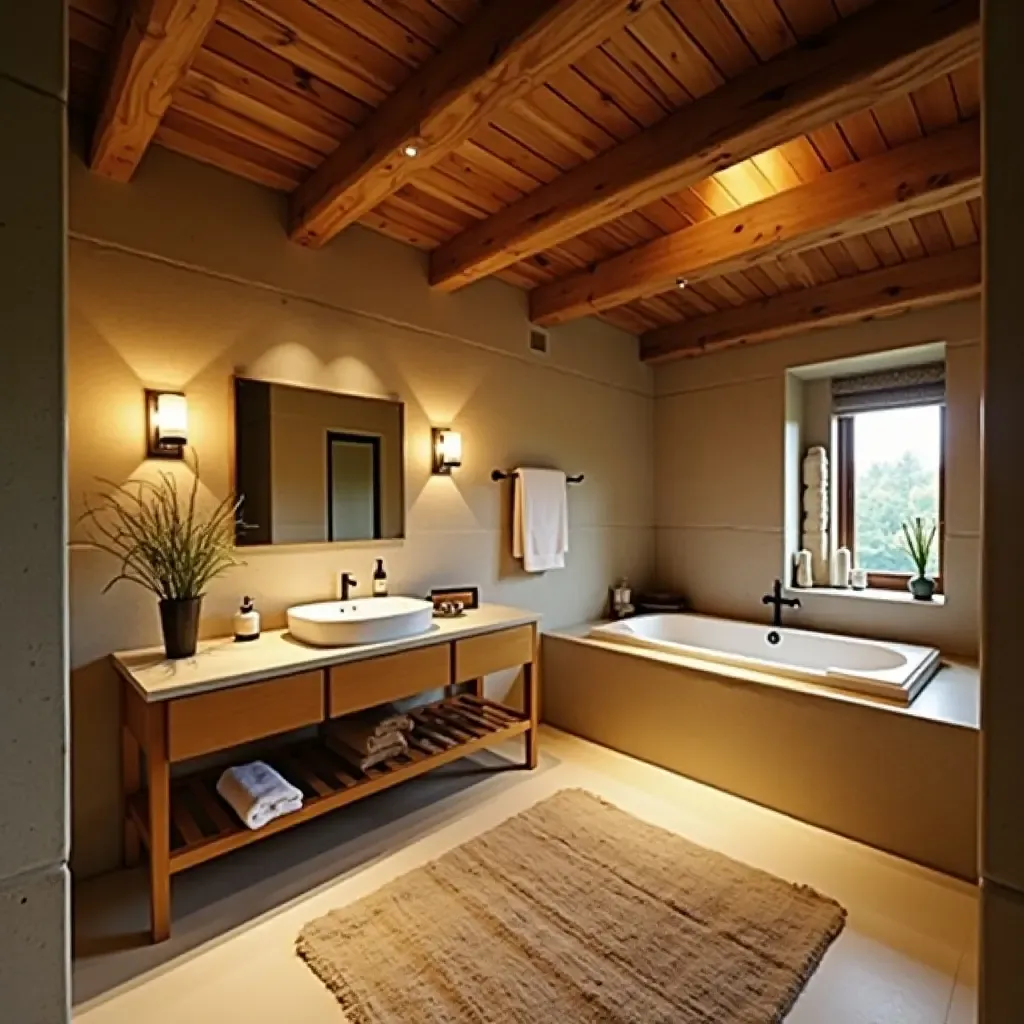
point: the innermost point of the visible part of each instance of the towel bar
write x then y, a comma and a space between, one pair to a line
497, 474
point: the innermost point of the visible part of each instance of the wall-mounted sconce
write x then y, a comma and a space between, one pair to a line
166, 424
447, 450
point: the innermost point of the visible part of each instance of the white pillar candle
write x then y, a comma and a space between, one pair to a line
841, 568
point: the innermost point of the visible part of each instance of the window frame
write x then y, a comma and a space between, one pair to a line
845, 479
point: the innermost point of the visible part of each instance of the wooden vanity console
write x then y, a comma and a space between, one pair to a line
231, 694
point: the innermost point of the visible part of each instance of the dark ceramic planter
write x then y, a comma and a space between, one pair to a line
180, 621
922, 587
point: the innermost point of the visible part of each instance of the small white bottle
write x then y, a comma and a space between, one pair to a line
247, 622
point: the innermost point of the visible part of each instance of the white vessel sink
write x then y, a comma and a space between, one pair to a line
370, 620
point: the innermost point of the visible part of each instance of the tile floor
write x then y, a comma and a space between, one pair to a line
907, 955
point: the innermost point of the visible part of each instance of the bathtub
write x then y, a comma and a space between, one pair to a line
888, 671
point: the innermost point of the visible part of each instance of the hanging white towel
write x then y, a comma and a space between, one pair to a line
540, 519
258, 794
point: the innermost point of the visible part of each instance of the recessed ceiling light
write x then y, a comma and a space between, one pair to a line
410, 149
681, 283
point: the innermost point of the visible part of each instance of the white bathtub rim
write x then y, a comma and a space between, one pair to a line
877, 687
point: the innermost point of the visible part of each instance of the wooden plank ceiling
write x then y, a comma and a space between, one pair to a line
500, 104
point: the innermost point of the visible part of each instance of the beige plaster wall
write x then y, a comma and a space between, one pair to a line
181, 316
34, 934
720, 451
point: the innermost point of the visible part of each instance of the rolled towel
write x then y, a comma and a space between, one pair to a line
359, 760
366, 737
814, 466
393, 721
815, 522
382, 720
258, 794
814, 502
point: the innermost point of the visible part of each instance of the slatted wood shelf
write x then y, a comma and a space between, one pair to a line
204, 827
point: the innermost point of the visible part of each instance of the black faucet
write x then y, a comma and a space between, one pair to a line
778, 602
347, 581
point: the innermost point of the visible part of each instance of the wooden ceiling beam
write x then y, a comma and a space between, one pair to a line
507, 51
925, 282
157, 44
917, 178
885, 50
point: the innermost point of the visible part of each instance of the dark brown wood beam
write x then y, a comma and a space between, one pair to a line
925, 282
158, 42
508, 50
917, 178
885, 50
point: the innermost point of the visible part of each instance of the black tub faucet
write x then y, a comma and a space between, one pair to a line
347, 581
778, 602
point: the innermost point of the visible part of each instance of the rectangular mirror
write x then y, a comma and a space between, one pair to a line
316, 466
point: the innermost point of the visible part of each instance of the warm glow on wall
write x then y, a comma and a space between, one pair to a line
167, 424
447, 450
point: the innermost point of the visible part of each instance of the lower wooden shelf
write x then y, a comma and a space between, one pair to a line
204, 827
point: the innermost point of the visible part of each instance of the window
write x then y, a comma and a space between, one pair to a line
890, 469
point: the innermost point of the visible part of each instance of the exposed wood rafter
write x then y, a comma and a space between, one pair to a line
508, 50
918, 178
924, 282
889, 48
159, 41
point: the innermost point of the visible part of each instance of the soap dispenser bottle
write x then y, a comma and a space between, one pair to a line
247, 622
380, 579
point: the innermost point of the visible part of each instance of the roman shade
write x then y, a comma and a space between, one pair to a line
889, 389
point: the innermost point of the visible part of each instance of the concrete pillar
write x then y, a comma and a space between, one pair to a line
34, 887
1002, 980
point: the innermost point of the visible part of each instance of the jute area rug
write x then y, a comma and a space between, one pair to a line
574, 911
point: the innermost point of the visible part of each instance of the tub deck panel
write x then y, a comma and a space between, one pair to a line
902, 783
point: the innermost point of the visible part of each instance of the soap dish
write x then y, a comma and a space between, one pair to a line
449, 610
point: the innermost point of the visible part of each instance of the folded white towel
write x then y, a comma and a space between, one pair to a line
540, 519
258, 794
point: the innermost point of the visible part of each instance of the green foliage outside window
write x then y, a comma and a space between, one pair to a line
887, 495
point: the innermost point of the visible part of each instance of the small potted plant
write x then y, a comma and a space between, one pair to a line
918, 539
166, 545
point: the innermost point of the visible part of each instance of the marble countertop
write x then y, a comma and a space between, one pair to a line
221, 663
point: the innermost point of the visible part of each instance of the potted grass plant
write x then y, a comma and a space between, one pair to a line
918, 538
166, 544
